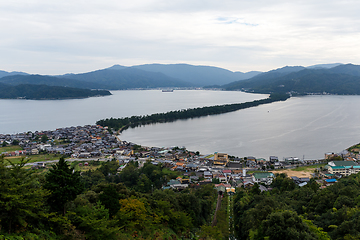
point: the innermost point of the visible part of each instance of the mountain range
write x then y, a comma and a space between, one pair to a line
341, 79
333, 78
120, 77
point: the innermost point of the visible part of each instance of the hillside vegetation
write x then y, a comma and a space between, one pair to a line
292, 212
100, 204
30, 91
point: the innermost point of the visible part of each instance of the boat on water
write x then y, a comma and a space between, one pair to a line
167, 90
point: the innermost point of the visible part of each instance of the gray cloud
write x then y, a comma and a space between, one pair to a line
53, 37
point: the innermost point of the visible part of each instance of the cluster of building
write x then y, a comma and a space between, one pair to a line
77, 142
340, 165
93, 141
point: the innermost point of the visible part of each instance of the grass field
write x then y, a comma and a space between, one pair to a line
35, 158
309, 168
10, 148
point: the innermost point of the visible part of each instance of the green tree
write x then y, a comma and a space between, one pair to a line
21, 197
215, 181
286, 225
44, 138
96, 223
110, 199
64, 184
255, 190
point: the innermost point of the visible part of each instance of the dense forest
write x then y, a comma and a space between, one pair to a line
291, 212
30, 91
61, 203
123, 123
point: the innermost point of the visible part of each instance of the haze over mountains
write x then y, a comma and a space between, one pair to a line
331, 78
4, 73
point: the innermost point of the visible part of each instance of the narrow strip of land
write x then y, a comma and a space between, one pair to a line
120, 124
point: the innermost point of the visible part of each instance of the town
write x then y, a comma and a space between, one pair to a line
96, 143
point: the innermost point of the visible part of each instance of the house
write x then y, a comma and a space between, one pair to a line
179, 166
263, 177
208, 175
332, 180
191, 166
234, 164
34, 151
302, 180
183, 180
273, 159
222, 178
261, 160
245, 183
221, 158
220, 188
84, 155
251, 164
173, 182
349, 159
292, 160
230, 190
194, 178
226, 171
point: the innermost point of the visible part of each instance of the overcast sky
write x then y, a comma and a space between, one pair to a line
62, 36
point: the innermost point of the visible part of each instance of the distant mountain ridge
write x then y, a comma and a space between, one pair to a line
341, 79
197, 75
4, 73
117, 78
146, 76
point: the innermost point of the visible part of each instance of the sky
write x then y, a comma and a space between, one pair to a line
74, 36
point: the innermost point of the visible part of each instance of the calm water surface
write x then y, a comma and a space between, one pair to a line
30, 115
301, 127
307, 126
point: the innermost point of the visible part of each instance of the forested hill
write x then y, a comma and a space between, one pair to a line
29, 91
343, 79
292, 212
49, 81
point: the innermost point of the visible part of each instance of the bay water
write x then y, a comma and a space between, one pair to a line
304, 127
